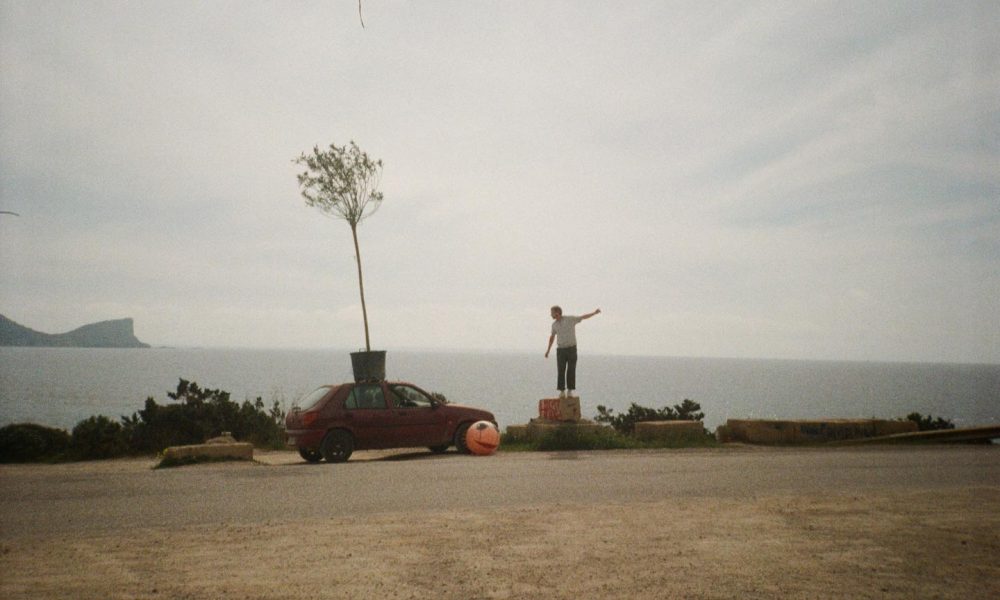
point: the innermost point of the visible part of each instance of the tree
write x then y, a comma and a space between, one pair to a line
342, 182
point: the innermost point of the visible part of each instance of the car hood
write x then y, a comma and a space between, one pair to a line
469, 412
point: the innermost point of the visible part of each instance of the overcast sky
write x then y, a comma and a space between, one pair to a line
808, 180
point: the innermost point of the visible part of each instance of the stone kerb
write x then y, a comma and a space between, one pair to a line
235, 450
760, 431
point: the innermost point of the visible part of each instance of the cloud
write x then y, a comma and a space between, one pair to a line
813, 180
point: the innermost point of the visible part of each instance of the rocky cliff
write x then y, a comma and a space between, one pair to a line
119, 333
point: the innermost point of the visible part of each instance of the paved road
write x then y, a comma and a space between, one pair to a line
122, 495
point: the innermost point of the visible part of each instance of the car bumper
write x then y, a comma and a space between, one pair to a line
304, 438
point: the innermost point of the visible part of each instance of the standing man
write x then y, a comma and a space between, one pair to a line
564, 329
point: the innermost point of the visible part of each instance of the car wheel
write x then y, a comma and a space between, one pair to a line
439, 449
460, 438
312, 456
337, 446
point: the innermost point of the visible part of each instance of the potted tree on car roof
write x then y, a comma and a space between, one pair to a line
342, 182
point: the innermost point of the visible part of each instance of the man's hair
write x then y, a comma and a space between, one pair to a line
557, 308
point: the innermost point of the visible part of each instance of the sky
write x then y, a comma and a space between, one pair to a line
797, 180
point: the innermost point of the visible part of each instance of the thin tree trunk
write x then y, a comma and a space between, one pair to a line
361, 284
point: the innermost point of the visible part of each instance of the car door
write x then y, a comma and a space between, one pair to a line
368, 416
417, 420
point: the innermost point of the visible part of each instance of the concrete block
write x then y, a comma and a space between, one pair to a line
239, 451
673, 431
761, 431
894, 427
539, 427
559, 409
516, 433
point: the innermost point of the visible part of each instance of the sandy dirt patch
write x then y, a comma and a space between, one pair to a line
926, 544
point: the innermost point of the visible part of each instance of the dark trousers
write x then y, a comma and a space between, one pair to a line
566, 363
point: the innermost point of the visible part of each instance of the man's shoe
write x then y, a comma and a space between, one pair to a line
562, 393
571, 394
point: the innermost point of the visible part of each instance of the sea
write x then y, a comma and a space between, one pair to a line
59, 387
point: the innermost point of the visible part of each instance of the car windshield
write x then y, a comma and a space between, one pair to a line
309, 401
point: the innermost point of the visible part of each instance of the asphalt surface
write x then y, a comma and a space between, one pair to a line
123, 495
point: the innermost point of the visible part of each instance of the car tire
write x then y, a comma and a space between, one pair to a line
439, 449
337, 446
313, 456
460, 444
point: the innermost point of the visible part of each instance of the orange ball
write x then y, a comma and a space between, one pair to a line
482, 438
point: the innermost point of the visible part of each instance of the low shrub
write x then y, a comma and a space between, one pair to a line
625, 423
572, 438
28, 442
98, 437
929, 423
199, 414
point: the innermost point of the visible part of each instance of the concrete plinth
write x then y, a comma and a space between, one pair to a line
237, 451
559, 409
753, 431
670, 431
537, 428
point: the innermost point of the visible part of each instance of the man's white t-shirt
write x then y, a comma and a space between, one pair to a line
565, 331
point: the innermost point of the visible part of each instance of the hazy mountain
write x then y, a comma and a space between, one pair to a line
119, 333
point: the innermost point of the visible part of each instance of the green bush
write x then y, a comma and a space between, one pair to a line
28, 442
625, 423
199, 414
99, 437
573, 438
929, 423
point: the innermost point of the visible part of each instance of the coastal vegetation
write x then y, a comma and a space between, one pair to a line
194, 415
929, 423
625, 422
621, 433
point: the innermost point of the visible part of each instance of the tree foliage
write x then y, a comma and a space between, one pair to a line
342, 182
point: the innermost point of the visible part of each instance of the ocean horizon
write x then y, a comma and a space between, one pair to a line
60, 386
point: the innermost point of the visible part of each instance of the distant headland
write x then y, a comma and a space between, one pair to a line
118, 333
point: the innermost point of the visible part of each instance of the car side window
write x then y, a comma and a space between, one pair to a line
365, 397
405, 396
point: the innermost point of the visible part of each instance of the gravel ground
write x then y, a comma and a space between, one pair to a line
711, 523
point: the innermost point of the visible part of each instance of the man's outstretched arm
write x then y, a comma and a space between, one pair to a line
588, 315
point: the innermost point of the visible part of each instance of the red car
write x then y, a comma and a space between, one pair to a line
335, 420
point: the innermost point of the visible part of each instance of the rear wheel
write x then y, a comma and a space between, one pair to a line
312, 456
337, 446
460, 438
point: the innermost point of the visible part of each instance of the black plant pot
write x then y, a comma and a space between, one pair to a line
368, 366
